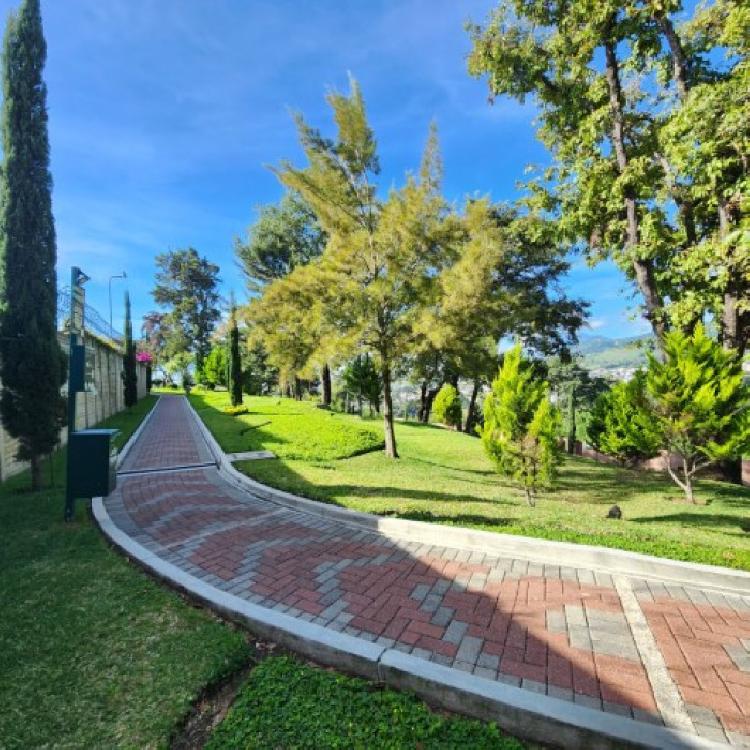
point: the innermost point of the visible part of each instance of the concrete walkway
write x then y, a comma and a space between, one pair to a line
662, 663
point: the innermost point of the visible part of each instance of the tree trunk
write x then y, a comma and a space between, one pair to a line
680, 64
428, 404
326, 378
36, 472
297, 389
642, 268
390, 434
530, 499
571, 442
422, 401
471, 411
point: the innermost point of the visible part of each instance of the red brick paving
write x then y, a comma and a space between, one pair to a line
474, 612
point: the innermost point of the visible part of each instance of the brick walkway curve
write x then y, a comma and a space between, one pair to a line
643, 649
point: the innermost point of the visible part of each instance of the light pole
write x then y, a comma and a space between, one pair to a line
122, 275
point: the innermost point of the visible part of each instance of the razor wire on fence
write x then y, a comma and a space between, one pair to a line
93, 321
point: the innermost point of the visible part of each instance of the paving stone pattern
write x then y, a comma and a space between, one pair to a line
551, 629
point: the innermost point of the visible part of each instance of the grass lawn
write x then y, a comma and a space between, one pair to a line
94, 653
286, 704
275, 425
445, 477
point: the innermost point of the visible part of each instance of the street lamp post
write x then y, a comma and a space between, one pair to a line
122, 275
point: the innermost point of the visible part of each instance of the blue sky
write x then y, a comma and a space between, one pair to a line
164, 116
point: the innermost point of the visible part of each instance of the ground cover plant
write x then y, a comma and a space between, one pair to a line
287, 704
445, 477
291, 429
95, 653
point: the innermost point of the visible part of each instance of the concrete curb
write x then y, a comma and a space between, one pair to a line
509, 545
123, 454
520, 712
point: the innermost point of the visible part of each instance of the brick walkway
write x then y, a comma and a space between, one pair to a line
568, 632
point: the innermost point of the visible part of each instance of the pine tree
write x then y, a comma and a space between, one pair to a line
699, 404
32, 364
129, 374
620, 425
521, 425
235, 362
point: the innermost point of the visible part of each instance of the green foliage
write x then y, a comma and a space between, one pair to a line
620, 425
699, 403
447, 406
187, 285
647, 121
284, 236
288, 704
521, 426
32, 364
362, 380
380, 262
235, 362
259, 377
291, 429
215, 367
95, 653
129, 372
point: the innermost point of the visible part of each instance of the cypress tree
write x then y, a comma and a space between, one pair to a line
32, 364
235, 362
129, 374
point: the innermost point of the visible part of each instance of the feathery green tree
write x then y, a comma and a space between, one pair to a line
32, 363
699, 403
382, 256
619, 423
521, 425
129, 373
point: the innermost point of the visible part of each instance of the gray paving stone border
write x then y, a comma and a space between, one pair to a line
509, 545
519, 711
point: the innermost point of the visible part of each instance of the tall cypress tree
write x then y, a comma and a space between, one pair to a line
235, 361
129, 374
32, 364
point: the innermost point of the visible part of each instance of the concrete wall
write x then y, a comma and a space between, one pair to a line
105, 398
650, 464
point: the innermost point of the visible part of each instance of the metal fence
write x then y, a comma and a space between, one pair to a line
93, 321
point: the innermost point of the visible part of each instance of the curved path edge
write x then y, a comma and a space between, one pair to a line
601, 558
537, 717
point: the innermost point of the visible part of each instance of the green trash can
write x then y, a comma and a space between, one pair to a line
93, 463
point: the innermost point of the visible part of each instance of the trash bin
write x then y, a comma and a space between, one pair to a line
93, 463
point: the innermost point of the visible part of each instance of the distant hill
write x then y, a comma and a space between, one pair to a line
600, 353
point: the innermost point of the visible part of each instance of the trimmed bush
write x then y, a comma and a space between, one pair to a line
447, 406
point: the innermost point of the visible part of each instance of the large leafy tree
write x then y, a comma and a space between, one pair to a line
187, 285
521, 425
382, 255
32, 364
647, 125
285, 236
699, 404
505, 281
